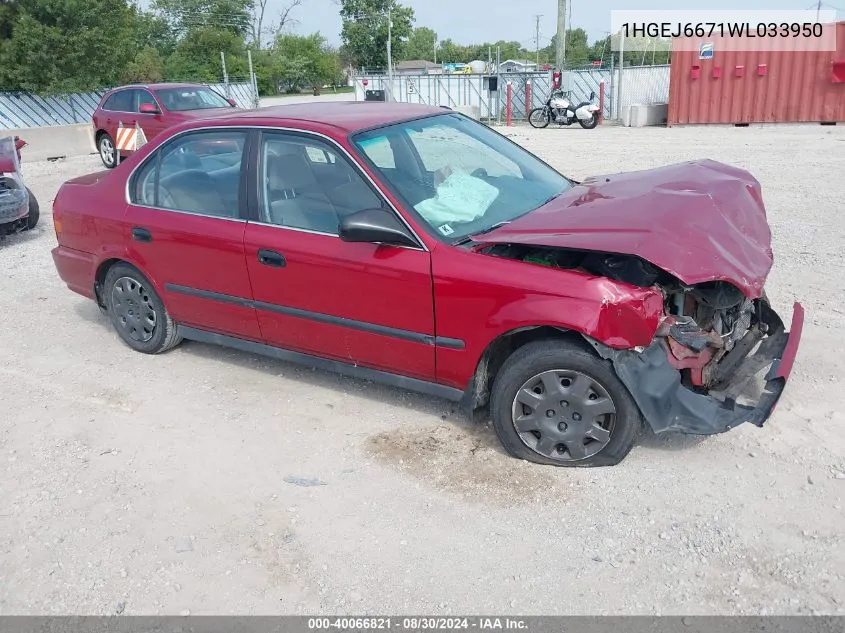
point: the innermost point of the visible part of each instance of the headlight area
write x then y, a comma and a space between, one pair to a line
717, 360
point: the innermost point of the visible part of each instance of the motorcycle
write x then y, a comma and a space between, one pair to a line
18, 206
559, 109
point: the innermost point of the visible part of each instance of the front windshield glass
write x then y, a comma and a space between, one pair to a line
181, 99
460, 177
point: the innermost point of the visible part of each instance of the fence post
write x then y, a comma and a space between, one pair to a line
527, 98
252, 81
601, 100
509, 105
227, 89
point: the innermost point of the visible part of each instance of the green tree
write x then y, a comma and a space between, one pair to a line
298, 61
147, 67
56, 46
197, 56
185, 16
420, 44
365, 28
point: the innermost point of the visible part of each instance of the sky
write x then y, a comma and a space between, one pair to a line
471, 21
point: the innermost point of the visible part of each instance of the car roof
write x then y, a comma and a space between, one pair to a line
344, 116
158, 86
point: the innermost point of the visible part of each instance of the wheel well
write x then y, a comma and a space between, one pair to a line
501, 348
100, 278
98, 136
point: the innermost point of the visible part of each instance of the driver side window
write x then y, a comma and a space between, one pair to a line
306, 184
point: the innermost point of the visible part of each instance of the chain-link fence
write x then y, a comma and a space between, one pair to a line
486, 96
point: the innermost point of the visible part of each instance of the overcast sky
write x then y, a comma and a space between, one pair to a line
468, 21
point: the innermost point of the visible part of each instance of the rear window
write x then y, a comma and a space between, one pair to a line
119, 101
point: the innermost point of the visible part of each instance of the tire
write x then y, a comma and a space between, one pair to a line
542, 120
137, 312
34, 212
108, 154
590, 123
605, 437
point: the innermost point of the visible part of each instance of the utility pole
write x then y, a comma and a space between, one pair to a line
560, 41
389, 54
537, 38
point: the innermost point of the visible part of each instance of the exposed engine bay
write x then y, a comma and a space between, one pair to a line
708, 331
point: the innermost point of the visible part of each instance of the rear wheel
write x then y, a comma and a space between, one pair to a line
108, 154
590, 123
539, 117
137, 312
558, 404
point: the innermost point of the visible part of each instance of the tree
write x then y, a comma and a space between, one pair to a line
197, 56
303, 60
59, 46
186, 16
259, 27
364, 31
147, 67
421, 44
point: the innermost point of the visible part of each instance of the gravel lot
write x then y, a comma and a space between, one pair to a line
135, 484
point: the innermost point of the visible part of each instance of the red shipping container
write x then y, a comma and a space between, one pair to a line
779, 87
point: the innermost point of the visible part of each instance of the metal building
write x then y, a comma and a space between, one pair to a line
712, 86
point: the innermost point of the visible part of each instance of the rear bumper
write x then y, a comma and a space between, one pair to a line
76, 268
668, 405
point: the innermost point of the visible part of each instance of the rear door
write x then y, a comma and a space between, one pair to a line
365, 304
186, 222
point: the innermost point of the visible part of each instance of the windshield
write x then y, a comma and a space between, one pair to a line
181, 99
457, 174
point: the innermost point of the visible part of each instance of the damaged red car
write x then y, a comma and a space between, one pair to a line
417, 247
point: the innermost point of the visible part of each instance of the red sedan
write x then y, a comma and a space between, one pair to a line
154, 108
412, 245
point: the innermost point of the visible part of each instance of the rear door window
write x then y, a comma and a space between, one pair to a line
120, 101
195, 173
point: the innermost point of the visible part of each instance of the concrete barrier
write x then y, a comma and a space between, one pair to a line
55, 141
639, 115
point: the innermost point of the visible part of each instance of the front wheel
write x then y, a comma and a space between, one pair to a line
137, 312
539, 117
556, 403
590, 123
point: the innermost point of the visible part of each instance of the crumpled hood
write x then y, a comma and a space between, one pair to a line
700, 221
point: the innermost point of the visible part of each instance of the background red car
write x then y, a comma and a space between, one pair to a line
154, 107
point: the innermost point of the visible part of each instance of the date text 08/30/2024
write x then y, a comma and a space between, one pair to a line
416, 623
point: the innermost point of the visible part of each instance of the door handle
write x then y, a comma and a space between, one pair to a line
141, 234
271, 258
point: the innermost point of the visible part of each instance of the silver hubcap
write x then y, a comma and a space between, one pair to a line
133, 309
107, 150
564, 415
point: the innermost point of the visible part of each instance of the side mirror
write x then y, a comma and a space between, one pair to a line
592, 95
232, 102
149, 108
375, 226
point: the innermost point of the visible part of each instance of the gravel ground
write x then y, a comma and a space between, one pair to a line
135, 484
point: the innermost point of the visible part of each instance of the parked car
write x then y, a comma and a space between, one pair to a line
154, 107
415, 246
19, 209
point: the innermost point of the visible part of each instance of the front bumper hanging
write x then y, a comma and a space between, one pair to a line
668, 405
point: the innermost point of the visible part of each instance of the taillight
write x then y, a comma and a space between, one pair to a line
57, 224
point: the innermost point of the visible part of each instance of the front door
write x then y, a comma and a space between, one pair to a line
364, 304
186, 224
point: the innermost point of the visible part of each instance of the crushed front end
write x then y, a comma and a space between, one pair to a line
718, 359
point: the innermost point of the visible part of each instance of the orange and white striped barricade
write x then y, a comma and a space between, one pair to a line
129, 139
